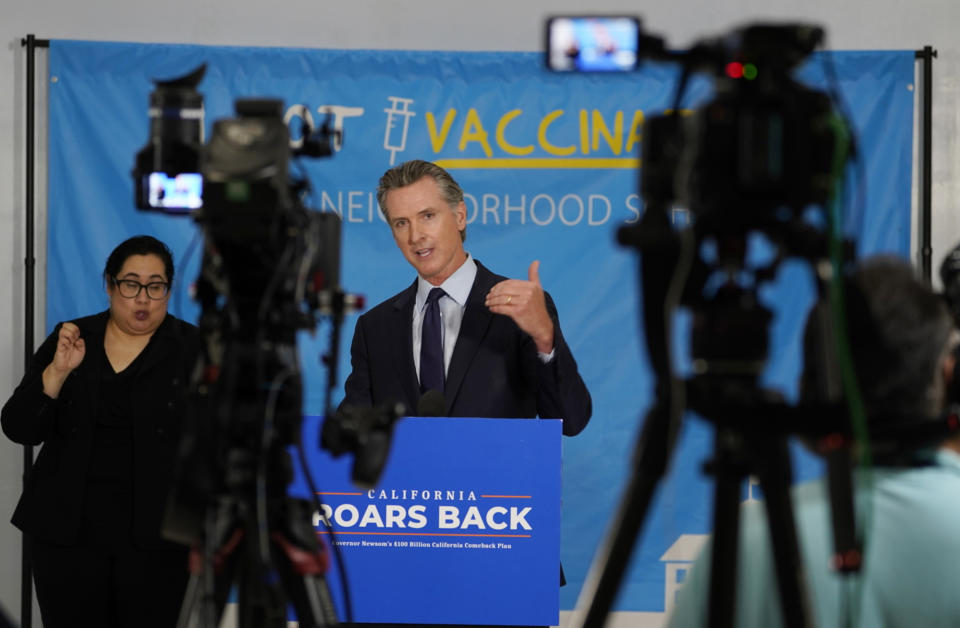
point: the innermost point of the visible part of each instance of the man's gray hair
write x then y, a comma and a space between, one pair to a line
899, 334
412, 171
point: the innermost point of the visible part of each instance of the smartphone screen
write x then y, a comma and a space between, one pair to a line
592, 43
180, 193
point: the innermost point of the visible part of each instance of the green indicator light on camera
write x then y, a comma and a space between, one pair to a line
749, 71
237, 191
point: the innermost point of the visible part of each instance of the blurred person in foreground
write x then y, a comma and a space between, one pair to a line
104, 395
901, 336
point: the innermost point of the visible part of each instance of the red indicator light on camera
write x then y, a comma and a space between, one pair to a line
735, 70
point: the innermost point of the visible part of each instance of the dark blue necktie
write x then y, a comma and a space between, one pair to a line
431, 345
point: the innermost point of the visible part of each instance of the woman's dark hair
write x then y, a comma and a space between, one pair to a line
138, 245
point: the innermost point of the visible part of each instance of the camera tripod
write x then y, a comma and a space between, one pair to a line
230, 502
231, 557
752, 426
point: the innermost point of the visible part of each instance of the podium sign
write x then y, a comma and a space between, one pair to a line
463, 528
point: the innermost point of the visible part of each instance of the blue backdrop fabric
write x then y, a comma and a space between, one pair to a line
549, 166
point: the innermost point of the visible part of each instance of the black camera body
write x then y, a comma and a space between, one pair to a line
270, 267
765, 142
267, 259
278, 260
166, 173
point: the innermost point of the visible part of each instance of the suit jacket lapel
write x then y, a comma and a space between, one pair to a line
402, 328
473, 328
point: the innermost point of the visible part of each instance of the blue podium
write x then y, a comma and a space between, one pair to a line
463, 528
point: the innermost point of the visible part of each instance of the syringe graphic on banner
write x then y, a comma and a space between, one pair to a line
399, 110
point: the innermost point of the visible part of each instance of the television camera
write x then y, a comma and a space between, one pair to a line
270, 267
763, 160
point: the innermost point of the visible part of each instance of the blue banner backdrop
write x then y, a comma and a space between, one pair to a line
548, 163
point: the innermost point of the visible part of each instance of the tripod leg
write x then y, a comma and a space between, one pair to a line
206, 596
312, 601
601, 587
261, 602
775, 478
730, 469
301, 573
190, 599
301, 560
656, 444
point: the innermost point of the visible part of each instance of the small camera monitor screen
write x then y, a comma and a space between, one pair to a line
183, 192
592, 44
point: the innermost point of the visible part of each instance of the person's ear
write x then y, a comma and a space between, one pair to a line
948, 373
948, 367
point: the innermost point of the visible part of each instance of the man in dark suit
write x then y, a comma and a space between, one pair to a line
487, 346
491, 345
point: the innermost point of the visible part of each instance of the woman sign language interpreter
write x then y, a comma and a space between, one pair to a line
104, 395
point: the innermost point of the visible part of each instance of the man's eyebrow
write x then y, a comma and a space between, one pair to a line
137, 275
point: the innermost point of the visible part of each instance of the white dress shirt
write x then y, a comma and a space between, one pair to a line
452, 304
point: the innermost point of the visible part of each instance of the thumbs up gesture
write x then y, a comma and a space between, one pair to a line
523, 301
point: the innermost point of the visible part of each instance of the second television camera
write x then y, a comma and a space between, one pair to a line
760, 158
270, 268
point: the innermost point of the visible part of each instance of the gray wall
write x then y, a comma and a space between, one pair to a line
409, 24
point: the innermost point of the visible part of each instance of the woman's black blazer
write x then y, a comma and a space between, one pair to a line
51, 507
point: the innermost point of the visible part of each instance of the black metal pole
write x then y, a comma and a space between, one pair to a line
730, 469
29, 262
927, 56
26, 583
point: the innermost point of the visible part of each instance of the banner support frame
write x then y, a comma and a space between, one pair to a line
31, 43
926, 57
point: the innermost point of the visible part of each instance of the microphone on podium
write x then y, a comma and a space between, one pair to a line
432, 403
